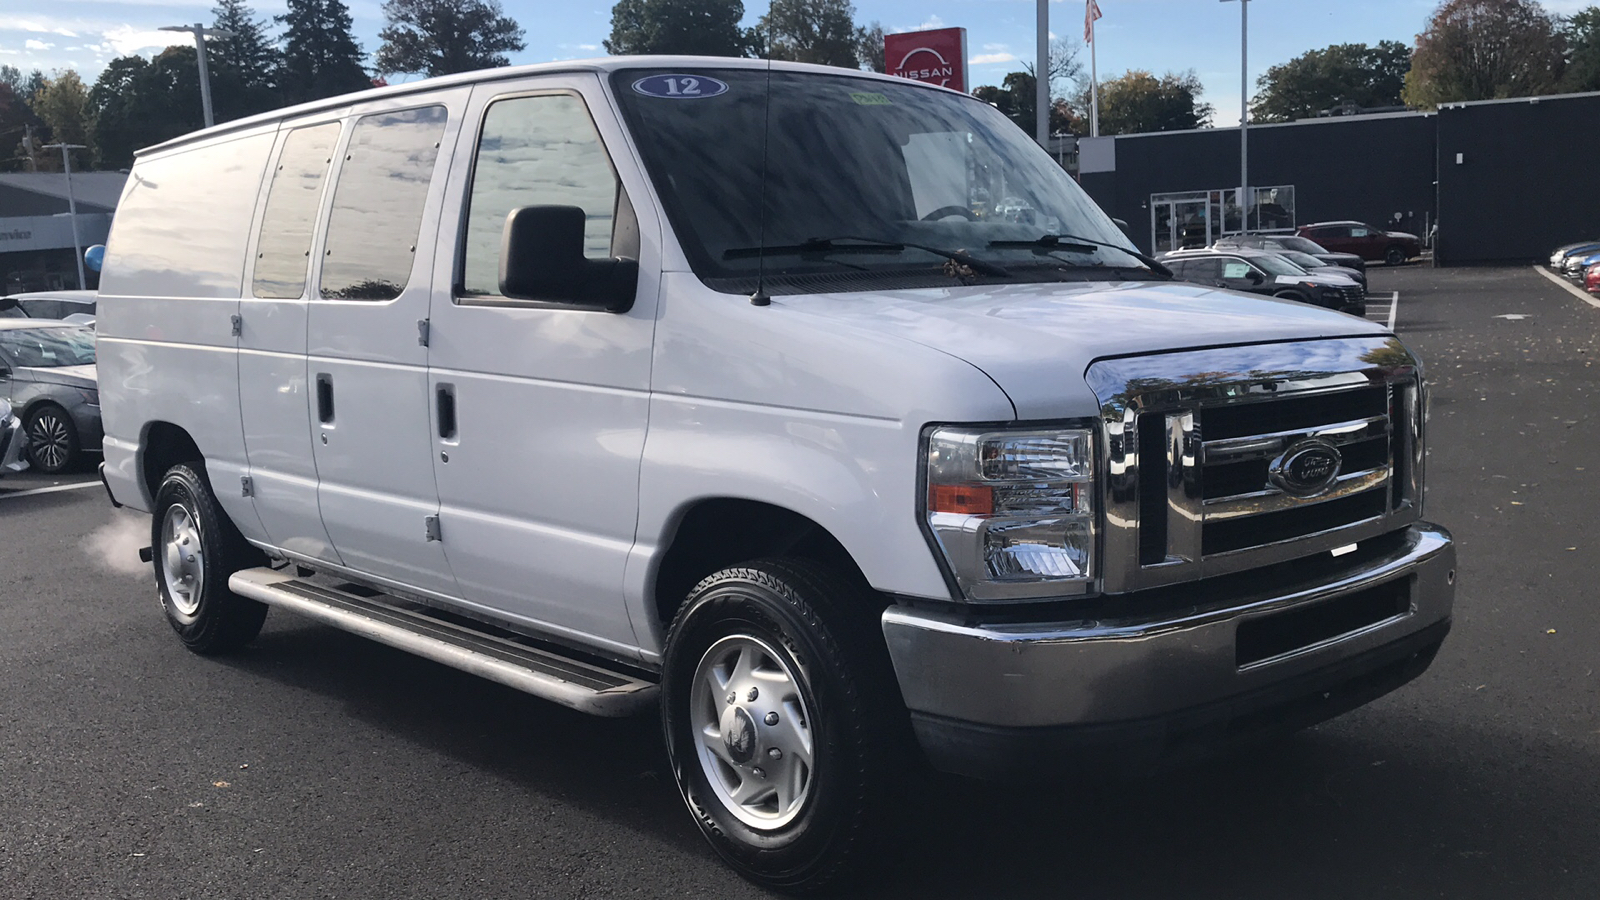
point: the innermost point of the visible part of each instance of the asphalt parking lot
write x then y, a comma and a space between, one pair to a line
319, 764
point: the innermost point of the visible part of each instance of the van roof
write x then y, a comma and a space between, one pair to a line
603, 65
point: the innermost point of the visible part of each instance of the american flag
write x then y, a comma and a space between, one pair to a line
1090, 13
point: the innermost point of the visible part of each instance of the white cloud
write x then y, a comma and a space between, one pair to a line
989, 59
127, 40
31, 44
588, 46
996, 48
931, 22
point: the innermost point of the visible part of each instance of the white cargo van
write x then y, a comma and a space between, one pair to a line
729, 389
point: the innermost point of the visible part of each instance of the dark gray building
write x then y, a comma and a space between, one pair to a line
36, 250
1503, 180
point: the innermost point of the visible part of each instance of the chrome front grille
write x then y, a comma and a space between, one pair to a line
1224, 460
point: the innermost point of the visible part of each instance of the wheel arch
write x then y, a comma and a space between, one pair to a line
163, 445
712, 533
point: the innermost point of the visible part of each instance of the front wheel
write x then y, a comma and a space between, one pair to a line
195, 548
1394, 256
52, 440
783, 722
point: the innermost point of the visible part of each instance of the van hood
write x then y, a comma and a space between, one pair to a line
1036, 341
71, 376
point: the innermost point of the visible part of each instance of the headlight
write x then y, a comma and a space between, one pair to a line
1013, 511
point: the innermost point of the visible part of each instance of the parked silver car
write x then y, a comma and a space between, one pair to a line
47, 373
12, 441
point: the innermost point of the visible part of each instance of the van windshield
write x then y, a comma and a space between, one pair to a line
851, 164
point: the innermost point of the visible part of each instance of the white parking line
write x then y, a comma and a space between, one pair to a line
1567, 286
1394, 307
75, 486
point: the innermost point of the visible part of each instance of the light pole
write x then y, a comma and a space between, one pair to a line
1244, 115
1041, 77
200, 33
72, 207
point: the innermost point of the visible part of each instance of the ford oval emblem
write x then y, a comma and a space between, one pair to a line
1306, 469
680, 87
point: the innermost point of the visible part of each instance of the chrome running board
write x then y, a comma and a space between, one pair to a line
573, 683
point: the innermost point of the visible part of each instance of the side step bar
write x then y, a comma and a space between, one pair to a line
569, 682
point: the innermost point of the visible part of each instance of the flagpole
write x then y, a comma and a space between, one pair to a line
1094, 87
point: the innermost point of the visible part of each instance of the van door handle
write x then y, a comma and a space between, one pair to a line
325, 398
445, 401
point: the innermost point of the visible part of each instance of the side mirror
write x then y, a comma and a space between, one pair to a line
1255, 277
541, 258
1128, 232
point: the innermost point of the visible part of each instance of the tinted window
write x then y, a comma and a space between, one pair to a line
377, 205
1276, 266
535, 151
284, 246
1204, 270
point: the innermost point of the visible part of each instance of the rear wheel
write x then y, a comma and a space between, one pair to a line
52, 440
195, 547
1394, 256
783, 722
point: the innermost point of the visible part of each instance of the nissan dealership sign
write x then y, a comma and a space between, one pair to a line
938, 56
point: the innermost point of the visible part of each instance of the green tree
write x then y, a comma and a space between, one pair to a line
1484, 50
442, 37
320, 56
688, 27
16, 118
1137, 102
1016, 99
63, 104
139, 103
869, 47
812, 31
249, 54
1340, 75
1582, 36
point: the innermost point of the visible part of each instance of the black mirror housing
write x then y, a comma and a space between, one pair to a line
541, 259
1256, 278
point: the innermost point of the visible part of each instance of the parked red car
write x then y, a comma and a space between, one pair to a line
1392, 247
1591, 279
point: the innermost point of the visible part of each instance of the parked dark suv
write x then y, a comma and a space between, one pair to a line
1261, 272
1367, 242
1296, 243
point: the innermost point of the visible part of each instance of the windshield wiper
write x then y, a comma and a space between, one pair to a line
1075, 244
867, 245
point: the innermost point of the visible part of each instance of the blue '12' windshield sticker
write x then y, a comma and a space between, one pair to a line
680, 87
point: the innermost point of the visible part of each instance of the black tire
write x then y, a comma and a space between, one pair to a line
1395, 256
823, 627
52, 439
209, 619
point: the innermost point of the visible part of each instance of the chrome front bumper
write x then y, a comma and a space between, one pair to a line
975, 688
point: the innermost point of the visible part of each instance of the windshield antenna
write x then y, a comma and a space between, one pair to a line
760, 297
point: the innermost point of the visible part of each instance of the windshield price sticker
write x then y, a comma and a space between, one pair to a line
866, 99
680, 87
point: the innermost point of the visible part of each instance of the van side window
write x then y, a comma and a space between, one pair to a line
377, 205
535, 151
284, 246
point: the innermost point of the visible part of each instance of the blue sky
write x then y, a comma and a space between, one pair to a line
1159, 35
